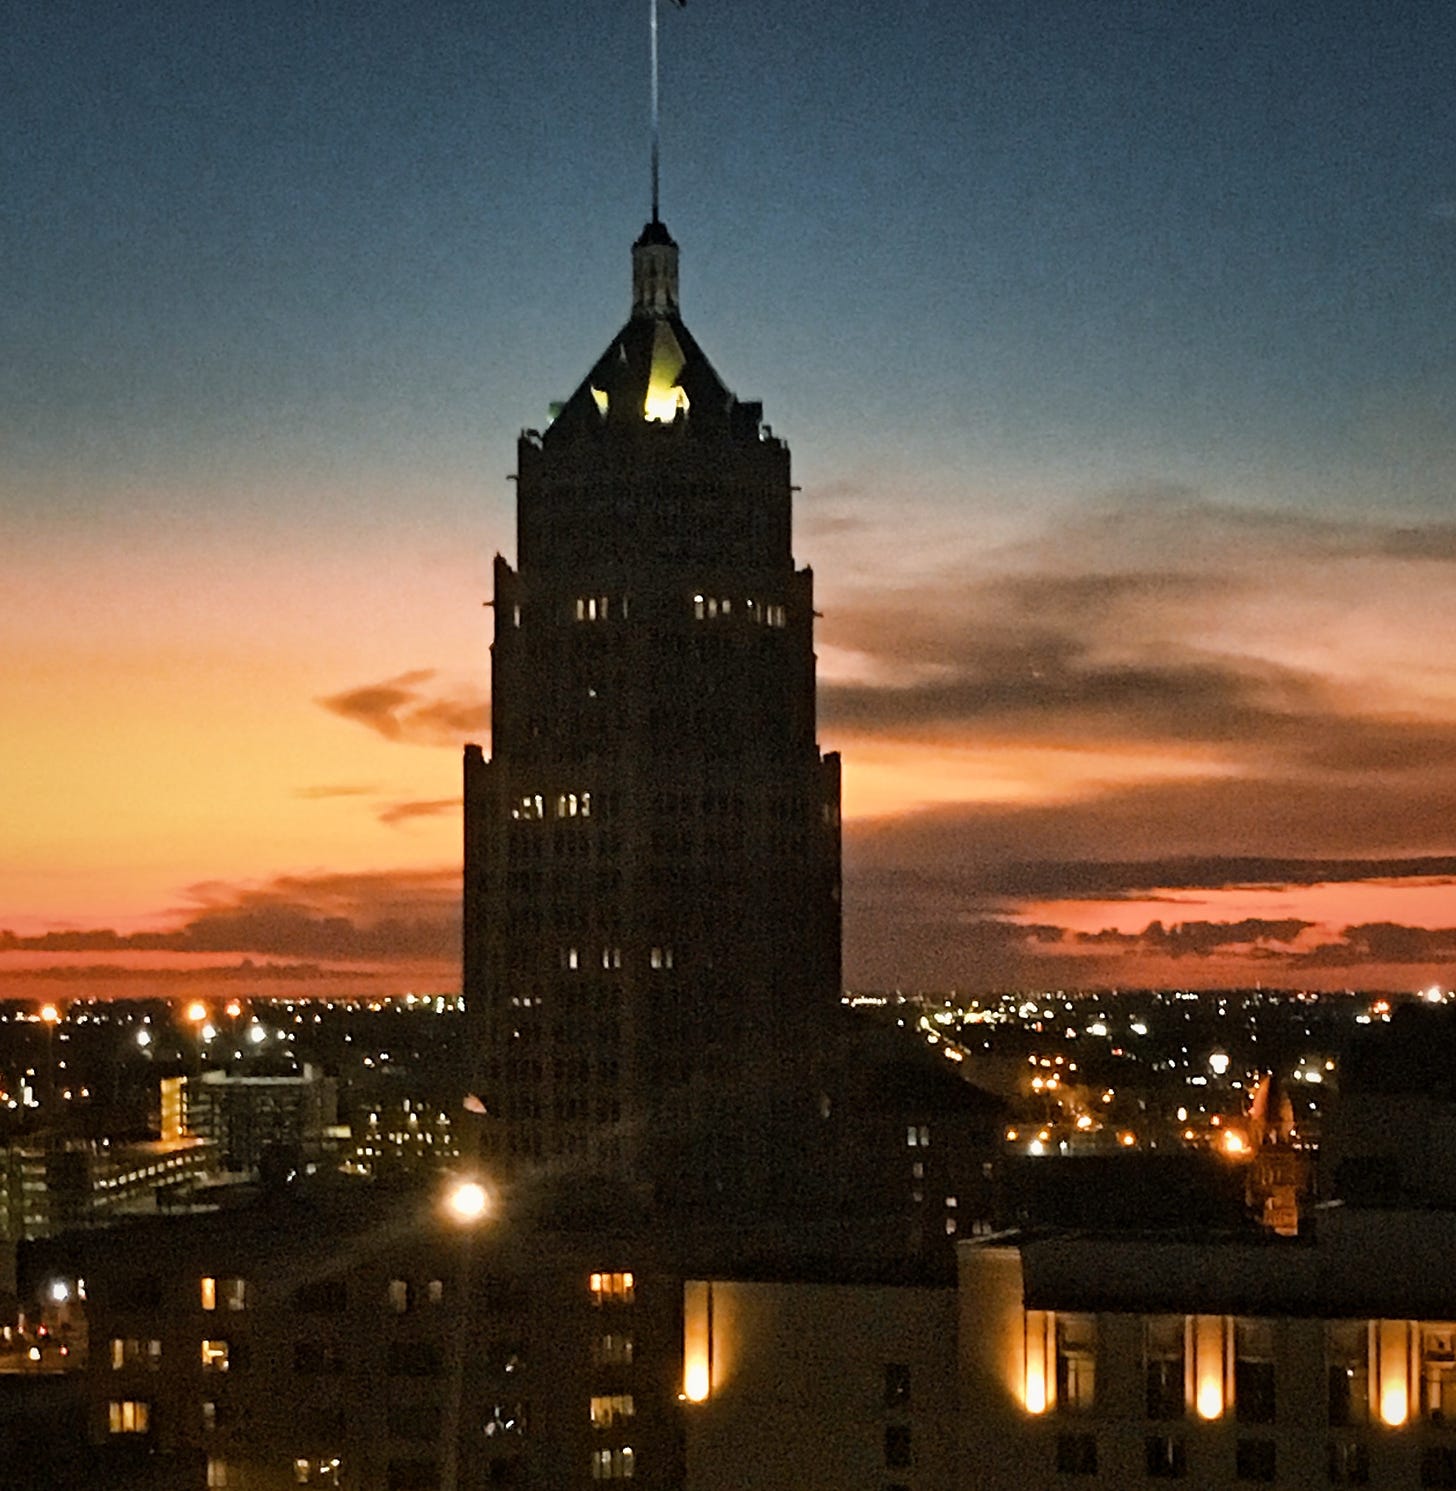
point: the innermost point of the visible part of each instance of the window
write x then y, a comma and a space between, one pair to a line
215, 1356
316, 1359
661, 957
130, 1352
217, 1472
897, 1446
1438, 1466
435, 1292
1163, 1345
506, 1420
321, 1297
613, 1465
1077, 1454
1438, 1372
322, 1471
611, 957
1254, 1459
1254, 1372
531, 808
414, 1359
1165, 1457
1347, 1361
573, 805
612, 1409
209, 1416
613, 1350
223, 1294
591, 608
414, 1421
616, 1289
917, 1136
897, 1385
1076, 1362
412, 1475
128, 1416
1349, 1464
397, 1293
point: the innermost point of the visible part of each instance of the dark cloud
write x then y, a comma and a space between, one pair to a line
1386, 942
405, 812
403, 709
1103, 880
1198, 939
411, 915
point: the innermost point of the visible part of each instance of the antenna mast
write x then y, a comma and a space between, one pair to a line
656, 124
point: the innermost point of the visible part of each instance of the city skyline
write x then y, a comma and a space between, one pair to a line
1112, 347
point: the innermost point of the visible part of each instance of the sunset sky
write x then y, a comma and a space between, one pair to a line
1116, 348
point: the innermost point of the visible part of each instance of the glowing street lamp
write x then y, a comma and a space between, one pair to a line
467, 1201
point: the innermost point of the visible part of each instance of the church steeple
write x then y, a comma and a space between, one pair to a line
654, 272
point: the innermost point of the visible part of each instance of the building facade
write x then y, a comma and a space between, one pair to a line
652, 916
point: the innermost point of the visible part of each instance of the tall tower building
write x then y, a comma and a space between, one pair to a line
652, 885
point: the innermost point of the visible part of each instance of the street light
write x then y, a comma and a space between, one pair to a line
466, 1203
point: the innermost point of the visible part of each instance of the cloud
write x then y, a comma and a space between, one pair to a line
402, 709
1386, 942
245, 970
386, 917
396, 813
1199, 938
323, 793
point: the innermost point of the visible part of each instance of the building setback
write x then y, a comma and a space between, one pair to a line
652, 891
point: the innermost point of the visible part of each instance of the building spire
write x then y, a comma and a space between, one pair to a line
654, 272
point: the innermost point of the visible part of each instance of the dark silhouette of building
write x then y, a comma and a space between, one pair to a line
652, 888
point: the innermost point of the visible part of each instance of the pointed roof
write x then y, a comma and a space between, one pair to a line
653, 371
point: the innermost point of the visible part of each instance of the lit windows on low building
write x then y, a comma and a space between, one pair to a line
132, 1352
614, 1349
617, 1464
128, 1416
223, 1294
612, 1408
216, 1356
612, 1289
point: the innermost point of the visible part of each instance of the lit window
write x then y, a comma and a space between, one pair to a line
128, 1416
612, 1350
435, 1291
209, 1416
134, 1353
232, 1294
570, 958
217, 1472
214, 1356
398, 1295
661, 957
209, 1294
611, 957
612, 1409
1076, 1362
614, 1289
1438, 1372
613, 1465
322, 1471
